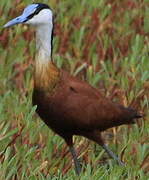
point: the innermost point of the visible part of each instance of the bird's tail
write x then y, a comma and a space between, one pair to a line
131, 115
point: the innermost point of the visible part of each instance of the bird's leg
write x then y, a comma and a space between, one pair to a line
96, 136
111, 154
68, 139
76, 161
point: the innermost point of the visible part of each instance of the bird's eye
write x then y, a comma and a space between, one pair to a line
30, 16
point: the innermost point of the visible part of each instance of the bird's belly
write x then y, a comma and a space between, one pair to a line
49, 114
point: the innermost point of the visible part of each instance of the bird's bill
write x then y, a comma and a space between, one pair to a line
24, 17
17, 20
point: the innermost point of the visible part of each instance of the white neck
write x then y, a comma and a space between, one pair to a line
44, 43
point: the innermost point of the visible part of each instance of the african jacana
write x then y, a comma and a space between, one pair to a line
66, 104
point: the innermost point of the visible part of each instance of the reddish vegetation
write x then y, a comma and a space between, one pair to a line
4, 39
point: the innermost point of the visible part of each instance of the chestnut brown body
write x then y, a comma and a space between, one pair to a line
70, 106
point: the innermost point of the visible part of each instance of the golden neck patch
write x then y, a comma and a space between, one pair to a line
46, 76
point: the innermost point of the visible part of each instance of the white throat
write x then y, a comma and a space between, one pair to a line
44, 42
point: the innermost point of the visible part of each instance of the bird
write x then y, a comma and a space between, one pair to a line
68, 105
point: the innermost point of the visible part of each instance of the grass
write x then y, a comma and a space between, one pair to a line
103, 42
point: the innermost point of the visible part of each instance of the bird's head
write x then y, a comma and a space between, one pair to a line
34, 14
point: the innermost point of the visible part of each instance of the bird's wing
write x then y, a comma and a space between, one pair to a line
80, 105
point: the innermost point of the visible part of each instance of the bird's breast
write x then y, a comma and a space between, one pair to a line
46, 81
